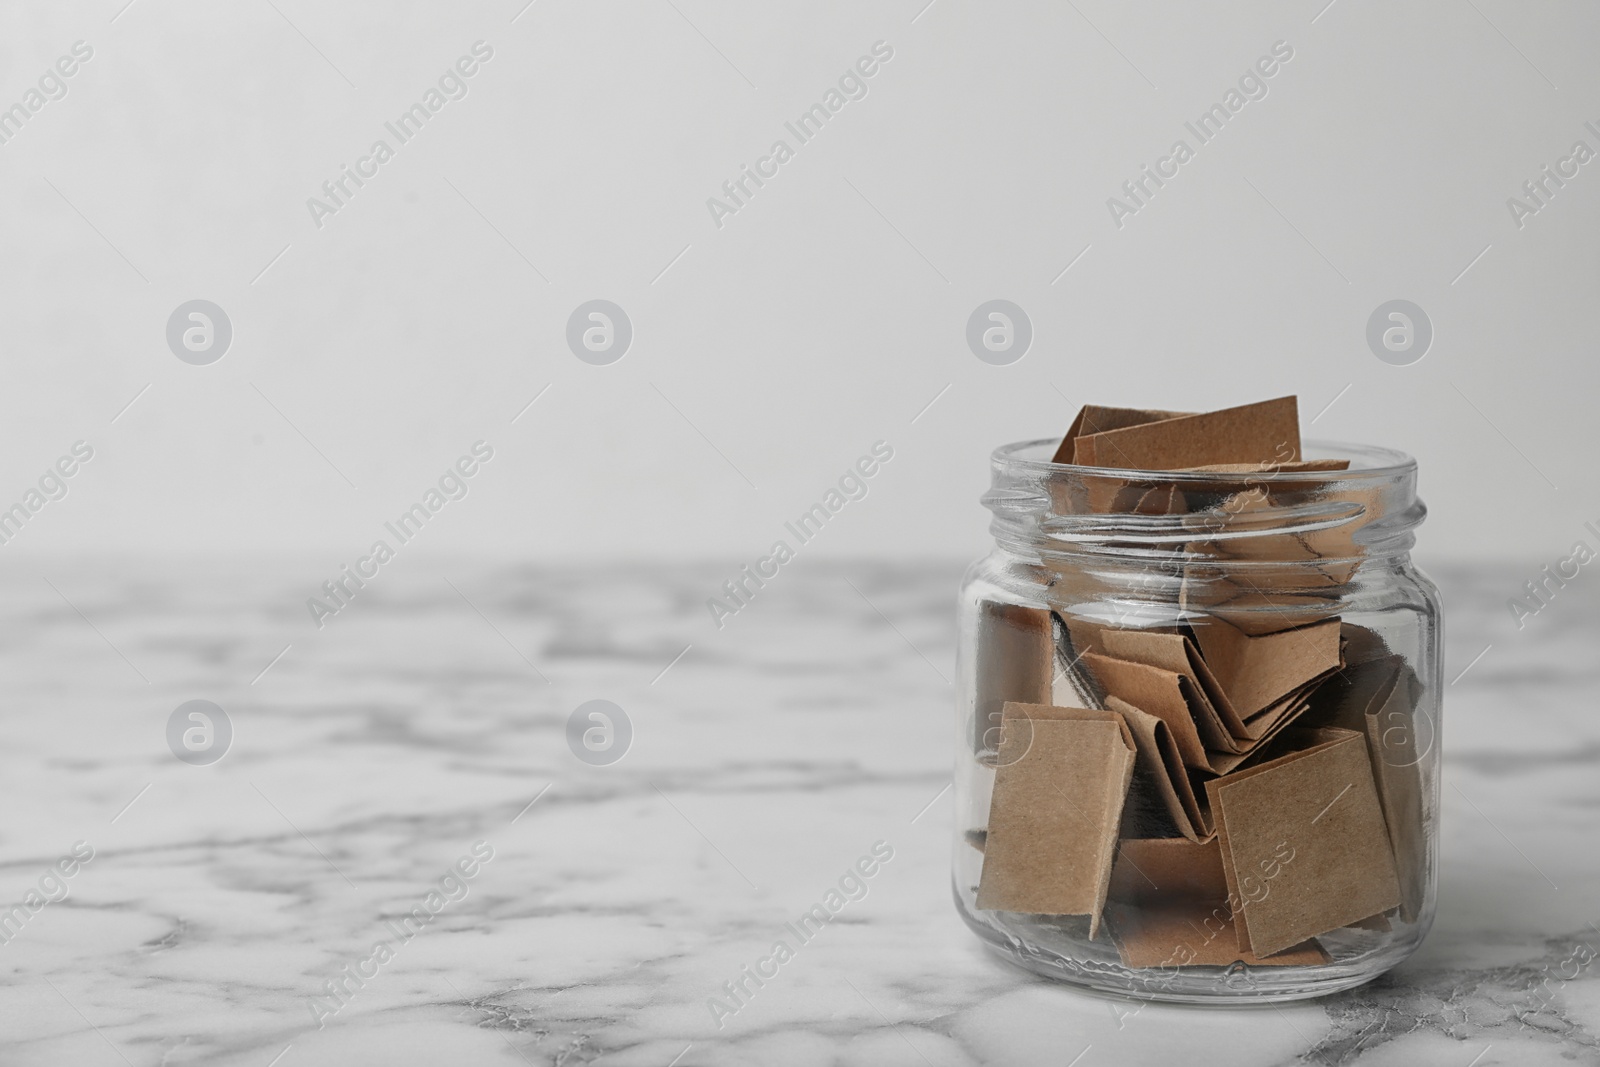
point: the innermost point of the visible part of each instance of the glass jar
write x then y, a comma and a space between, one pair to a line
1197, 726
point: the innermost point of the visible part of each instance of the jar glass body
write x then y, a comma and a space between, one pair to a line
1138, 868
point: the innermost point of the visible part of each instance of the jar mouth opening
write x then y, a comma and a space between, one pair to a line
1367, 462
1245, 520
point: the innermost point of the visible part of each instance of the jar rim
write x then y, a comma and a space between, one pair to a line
1040, 506
1366, 462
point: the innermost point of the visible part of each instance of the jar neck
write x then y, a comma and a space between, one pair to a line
1257, 528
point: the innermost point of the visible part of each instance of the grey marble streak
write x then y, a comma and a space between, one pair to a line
427, 715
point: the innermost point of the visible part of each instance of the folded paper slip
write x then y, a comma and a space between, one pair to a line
1176, 653
1267, 724
1258, 672
1060, 782
1268, 432
1085, 635
1157, 869
1192, 934
1172, 698
1304, 846
1161, 765
1083, 632
1015, 660
1168, 696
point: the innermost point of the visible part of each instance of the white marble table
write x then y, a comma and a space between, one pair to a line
375, 752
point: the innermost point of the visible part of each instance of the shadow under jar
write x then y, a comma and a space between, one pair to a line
1197, 726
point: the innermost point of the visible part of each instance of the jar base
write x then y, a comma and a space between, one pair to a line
1237, 985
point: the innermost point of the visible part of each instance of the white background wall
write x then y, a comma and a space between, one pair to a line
824, 315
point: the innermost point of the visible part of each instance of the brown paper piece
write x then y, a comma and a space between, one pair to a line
1165, 694
1268, 746
1392, 745
1093, 419
1166, 868
1099, 495
1059, 787
1015, 661
1253, 433
1266, 723
1176, 653
1193, 934
1258, 672
1162, 766
1199, 734
1304, 844
1082, 637
1286, 714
